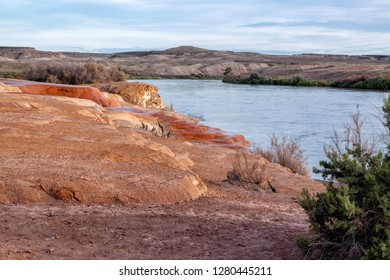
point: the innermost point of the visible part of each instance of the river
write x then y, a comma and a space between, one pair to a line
307, 114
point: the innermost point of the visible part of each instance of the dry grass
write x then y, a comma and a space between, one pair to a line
247, 169
250, 169
353, 137
286, 152
74, 74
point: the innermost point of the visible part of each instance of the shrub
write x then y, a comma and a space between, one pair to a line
352, 218
255, 79
201, 76
246, 170
286, 152
378, 83
361, 82
227, 71
9, 75
74, 74
386, 122
295, 80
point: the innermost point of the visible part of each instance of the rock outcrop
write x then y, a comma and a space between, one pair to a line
172, 125
140, 94
60, 148
145, 116
70, 148
68, 156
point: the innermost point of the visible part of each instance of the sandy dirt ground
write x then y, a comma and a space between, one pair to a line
228, 223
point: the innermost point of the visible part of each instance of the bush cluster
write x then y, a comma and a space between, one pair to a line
9, 75
135, 76
359, 83
352, 217
201, 76
255, 79
74, 74
363, 83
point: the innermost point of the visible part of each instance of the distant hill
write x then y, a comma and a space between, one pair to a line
194, 62
15, 49
185, 50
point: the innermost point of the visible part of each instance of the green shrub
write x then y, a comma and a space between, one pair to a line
378, 83
386, 122
227, 71
256, 79
352, 217
9, 75
136, 76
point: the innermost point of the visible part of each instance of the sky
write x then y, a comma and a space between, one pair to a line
266, 26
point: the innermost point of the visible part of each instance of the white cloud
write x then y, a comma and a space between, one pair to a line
299, 26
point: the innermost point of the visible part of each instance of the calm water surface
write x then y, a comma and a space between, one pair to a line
305, 113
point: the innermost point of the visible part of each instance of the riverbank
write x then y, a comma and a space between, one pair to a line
307, 114
82, 181
378, 83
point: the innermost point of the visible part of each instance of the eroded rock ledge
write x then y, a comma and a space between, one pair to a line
59, 148
142, 109
59, 142
98, 149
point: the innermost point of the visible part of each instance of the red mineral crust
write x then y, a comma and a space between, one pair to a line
188, 129
192, 131
83, 92
180, 126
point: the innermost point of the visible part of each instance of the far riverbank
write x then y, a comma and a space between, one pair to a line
377, 83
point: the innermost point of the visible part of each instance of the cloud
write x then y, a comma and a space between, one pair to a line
365, 26
279, 25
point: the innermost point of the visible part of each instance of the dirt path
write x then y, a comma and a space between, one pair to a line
229, 223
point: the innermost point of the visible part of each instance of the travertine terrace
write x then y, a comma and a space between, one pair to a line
87, 175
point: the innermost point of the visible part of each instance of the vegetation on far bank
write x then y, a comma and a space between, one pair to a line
10, 75
143, 77
358, 83
89, 73
199, 76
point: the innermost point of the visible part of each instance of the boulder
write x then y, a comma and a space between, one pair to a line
140, 94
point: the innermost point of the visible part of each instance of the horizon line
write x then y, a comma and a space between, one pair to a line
139, 49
